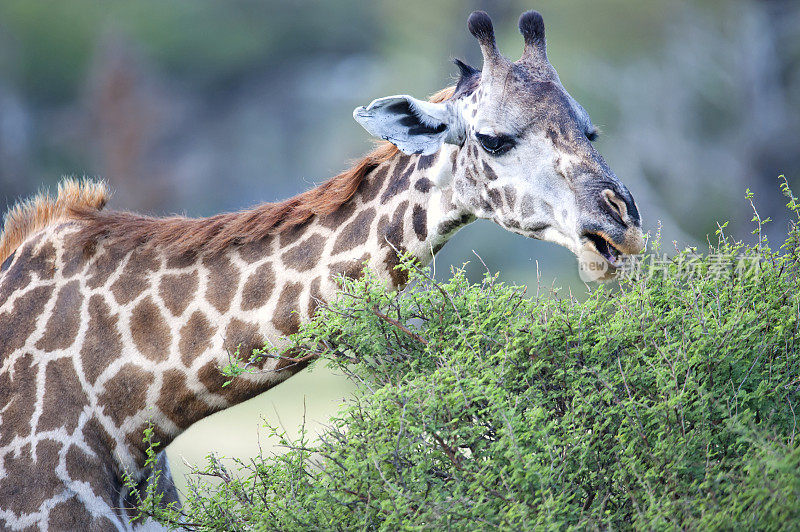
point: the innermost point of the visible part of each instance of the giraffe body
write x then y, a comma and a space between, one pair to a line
112, 321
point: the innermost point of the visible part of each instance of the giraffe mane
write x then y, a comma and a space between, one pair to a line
180, 234
34, 214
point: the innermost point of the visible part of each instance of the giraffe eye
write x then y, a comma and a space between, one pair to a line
495, 145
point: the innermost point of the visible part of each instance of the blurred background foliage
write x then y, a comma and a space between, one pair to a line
197, 107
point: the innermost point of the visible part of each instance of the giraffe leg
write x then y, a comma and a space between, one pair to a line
165, 484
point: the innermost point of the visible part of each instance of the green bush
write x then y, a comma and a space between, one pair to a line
667, 402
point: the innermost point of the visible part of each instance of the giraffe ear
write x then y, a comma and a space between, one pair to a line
414, 126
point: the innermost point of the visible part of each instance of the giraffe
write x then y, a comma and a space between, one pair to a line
110, 321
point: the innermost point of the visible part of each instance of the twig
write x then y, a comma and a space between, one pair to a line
451, 454
399, 326
481, 259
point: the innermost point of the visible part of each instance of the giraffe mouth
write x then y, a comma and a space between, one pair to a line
605, 248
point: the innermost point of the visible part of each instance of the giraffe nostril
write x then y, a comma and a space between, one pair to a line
616, 206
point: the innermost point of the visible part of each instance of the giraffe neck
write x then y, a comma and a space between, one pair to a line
203, 312
273, 285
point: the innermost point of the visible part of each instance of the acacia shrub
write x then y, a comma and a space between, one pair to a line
668, 402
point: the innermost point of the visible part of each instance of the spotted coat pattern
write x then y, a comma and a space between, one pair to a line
95, 345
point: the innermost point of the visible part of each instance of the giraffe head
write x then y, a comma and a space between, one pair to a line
514, 147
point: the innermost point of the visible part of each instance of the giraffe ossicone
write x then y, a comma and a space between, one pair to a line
111, 321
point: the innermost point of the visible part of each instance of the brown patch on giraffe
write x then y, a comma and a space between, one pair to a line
469, 174
127, 288
419, 219
488, 171
349, 268
289, 367
28, 483
258, 287
394, 232
134, 278
285, 317
181, 261
426, 161
103, 341
495, 198
222, 281
292, 234
76, 461
20, 274
453, 160
196, 337
7, 395
134, 440
338, 217
355, 233
372, 183
64, 398
390, 235
97, 438
238, 390
18, 323
16, 278
392, 261
255, 251
304, 255
315, 295
150, 333
511, 196
18, 399
62, 327
423, 185
243, 336
105, 262
142, 262
74, 254
451, 225
559, 139
528, 206
401, 178
125, 394
72, 514
180, 404
44, 261
546, 208
177, 291
84, 467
